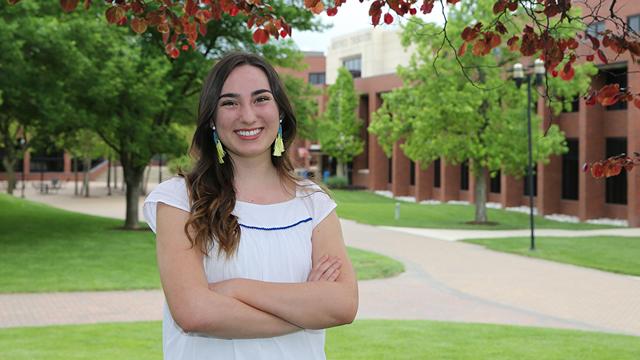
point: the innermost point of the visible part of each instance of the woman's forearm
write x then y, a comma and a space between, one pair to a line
228, 318
309, 305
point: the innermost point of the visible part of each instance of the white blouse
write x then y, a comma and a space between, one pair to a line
275, 246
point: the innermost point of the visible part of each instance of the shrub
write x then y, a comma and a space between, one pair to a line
337, 182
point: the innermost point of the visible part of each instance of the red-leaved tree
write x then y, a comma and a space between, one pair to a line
182, 22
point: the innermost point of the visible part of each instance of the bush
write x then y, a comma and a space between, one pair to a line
337, 182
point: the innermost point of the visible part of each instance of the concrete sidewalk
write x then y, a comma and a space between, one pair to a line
455, 235
444, 280
501, 288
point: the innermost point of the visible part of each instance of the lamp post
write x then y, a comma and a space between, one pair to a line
519, 77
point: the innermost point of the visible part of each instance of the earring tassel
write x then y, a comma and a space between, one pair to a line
219, 148
278, 147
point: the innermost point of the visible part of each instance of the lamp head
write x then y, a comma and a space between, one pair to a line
538, 67
518, 74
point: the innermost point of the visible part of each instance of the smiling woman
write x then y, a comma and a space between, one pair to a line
247, 117
247, 250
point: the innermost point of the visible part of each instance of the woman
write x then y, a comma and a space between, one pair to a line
251, 258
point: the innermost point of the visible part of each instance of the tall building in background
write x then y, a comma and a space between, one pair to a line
592, 132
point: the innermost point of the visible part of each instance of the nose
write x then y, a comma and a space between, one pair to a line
248, 115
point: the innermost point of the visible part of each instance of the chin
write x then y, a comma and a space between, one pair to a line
253, 153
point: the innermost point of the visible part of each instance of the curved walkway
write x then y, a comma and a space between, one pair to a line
444, 280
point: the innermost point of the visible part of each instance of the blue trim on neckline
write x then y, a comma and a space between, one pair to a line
276, 228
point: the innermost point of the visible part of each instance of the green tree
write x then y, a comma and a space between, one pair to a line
339, 127
304, 101
438, 112
125, 88
33, 61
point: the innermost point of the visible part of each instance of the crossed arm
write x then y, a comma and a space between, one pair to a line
243, 308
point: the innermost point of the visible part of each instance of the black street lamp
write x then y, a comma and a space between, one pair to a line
519, 77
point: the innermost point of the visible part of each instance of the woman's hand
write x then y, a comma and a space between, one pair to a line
327, 269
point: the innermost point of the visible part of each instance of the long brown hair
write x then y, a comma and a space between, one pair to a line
209, 183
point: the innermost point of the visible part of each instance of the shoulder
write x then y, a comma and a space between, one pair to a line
172, 192
308, 187
317, 200
176, 183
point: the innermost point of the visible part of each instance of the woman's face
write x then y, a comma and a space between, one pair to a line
247, 117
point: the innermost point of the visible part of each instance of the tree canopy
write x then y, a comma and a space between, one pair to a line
339, 127
184, 23
117, 84
438, 112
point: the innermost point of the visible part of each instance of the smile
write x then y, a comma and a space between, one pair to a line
249, 134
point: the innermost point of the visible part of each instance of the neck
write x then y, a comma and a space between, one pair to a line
254, 173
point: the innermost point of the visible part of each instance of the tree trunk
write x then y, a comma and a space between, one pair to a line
109, 176
9, 158
85, 180
133, 179
340, 169
75, 176
115, 175
9, 163
481, 195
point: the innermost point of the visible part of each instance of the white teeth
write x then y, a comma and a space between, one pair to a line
249, 133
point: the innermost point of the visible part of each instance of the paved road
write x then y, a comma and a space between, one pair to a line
444, 280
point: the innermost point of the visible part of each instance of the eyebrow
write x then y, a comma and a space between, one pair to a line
257, 92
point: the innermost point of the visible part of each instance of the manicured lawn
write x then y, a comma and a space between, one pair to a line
364, 339
47, 249
370, 265
369, 208
610, 253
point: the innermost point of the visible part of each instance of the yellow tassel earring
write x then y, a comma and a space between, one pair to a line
219, 148
278, 147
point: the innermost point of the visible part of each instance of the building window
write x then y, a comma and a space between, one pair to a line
316, 78
616, 186
633, 22
595, 29
51, 161
570, 171
464, 175
616, 76
412, 173
436, 173
354, 65
495, 183
535, 181
390, 173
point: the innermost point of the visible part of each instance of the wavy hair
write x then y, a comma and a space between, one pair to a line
209, 183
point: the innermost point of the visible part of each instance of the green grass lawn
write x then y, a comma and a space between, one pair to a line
369, 208
370, 265
610, 253
47, 249
364, 339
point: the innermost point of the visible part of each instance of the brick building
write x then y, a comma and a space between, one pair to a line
592, 132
